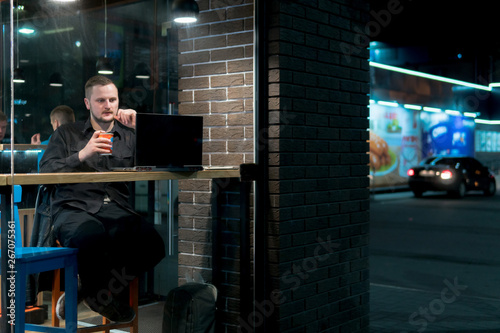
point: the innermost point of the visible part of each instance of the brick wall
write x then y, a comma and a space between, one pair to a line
216, 82
318, 115
318, 184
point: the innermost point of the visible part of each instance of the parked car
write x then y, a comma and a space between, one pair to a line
454, 174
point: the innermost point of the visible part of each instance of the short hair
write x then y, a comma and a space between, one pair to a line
97, 80
3, 116
63, 114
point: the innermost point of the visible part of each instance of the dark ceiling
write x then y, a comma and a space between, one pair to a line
445, 29
441, 23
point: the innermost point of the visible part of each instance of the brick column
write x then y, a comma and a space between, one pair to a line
319, 197
318, 164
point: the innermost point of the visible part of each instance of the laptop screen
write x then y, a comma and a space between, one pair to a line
168, 141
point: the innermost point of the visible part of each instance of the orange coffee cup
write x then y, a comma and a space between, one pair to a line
107, 135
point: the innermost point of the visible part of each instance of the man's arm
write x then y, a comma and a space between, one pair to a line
65, 156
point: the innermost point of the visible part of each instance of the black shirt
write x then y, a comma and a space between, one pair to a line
62, 156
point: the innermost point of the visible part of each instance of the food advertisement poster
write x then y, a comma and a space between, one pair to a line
395, 144
444, 134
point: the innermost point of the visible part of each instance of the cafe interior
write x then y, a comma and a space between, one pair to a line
49, 49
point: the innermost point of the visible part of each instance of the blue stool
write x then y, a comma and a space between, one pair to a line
30, 260
17, 199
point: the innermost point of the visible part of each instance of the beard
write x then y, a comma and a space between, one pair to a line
100, 119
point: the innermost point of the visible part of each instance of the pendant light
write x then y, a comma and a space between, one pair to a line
18, 75
18, 72
56, 80
104, 64
142, 72
185, 11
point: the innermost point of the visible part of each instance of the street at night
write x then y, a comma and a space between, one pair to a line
435, 263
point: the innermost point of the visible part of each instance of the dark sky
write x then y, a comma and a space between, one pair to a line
443, 24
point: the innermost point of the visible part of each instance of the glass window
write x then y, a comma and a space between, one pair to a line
56, 46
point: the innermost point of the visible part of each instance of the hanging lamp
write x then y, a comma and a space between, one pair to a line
185, 11
18, 72
18, 75
104, 64
56, 80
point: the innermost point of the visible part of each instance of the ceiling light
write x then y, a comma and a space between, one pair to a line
27, 31
412, 107
18, 75
185, 11
104, 66
56, 80
18, 72
391, 104
431, 109
429, 76
453, 112
142, 71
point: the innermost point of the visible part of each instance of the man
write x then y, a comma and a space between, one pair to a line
114, 243
60, 115
3, 128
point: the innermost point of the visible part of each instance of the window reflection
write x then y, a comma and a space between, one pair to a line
57, 46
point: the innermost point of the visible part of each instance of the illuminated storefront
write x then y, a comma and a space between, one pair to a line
414, 115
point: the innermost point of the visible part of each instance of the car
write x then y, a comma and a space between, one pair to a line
454, 174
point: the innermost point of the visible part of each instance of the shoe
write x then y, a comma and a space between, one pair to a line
61, 302
61, 306
115, 311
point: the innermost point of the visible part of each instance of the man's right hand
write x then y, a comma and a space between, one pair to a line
126, 117
96, 145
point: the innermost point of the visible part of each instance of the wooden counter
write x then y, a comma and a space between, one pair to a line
114, 176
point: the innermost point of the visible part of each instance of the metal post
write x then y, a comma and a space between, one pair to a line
261, 84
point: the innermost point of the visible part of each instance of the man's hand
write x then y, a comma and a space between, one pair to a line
126, 117
35, 139
96, 145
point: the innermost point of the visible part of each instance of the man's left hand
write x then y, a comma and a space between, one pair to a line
126, 117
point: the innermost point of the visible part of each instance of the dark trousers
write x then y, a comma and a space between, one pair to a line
114, 246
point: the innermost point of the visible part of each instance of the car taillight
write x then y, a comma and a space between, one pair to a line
446, 174
411, 172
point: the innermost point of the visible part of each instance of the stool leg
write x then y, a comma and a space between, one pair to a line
20, 298
134, 303
71, 290
56, 293
105, 321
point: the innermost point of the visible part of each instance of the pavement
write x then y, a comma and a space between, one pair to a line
404, 310
439, 309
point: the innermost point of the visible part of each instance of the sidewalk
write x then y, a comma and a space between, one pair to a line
403, 310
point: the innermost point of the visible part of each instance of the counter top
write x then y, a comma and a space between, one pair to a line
112, 176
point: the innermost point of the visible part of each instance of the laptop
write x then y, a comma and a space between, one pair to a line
167, 143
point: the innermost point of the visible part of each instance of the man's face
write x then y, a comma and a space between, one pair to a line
103, 103
3, 129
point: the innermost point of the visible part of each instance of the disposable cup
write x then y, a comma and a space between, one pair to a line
107, 135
